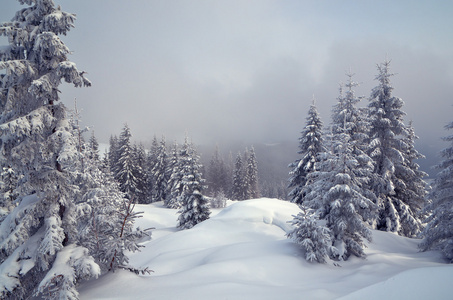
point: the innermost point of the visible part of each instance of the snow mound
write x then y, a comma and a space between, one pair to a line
242, 252
423, 283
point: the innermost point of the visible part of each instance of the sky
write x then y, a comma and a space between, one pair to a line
247, 70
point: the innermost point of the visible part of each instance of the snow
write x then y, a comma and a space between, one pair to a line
242, 252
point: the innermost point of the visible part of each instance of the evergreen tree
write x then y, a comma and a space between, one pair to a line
352, 121
310, 145
238, 192
218, 201
106, 220
217, 174
152, 160
160, 172
194, 206
174, 187
388, 149
113, 155
335, 192
251, 173
125, 165
93, 148
337, 189
139, 161
9, 180
438, 234
410, 187
245, 179
39, 249
312, 237
230, 165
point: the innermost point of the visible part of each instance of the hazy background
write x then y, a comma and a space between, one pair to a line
246, 71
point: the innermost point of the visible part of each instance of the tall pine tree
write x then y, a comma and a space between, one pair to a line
106, 219
39, 238
160, 172
251, 173
438, 234
310, 145
217, 174
174, 187
140, 174
194, 206
237, 191
389, 149
125, 166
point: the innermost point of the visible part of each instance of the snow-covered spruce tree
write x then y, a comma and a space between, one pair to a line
245, 179
160, 172
237, 190
217, 174
152, 160
113, 154
39, 250
125, 166
8, 193
310, 145
194, 206
105, 219
313, 238
219, 201
251, 172
174, 187
438, 233
388, 148
140, 174
335, 192
411, 188
348, 119
93, 148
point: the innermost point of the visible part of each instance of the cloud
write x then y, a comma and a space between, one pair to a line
247, 70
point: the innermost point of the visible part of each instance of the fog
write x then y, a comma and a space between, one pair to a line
246, 71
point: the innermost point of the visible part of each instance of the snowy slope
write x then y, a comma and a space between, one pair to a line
242, 253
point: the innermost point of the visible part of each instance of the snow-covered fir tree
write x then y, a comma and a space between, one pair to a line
194, 206
349, 119
8, 193
337, 189
438, 233
140, 174
335, 192
312, 237
106, 219
345, 207
152, 160
237, 190
411, 188
93, 148
251, 174
388, 149
113, 154
310, 145
125, 166
218, 181
219, 201
160, 172
174, 187
39, 249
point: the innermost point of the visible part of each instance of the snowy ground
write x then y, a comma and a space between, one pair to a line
242, 253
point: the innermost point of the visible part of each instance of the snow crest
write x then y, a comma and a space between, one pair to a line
242, 252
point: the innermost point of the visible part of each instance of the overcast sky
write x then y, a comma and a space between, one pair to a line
247, 70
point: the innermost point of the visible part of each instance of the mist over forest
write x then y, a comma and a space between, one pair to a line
278, 176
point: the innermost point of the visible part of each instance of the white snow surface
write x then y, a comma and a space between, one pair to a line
242, 252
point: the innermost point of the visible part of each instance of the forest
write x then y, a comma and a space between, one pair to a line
68, 214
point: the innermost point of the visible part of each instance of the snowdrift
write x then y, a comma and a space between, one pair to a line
242, 253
